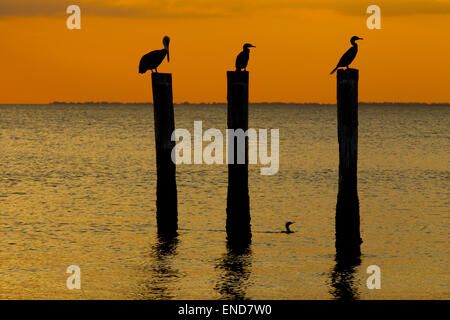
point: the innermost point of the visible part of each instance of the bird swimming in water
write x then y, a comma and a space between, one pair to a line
287, 227
349, 56
153, 59
242, 58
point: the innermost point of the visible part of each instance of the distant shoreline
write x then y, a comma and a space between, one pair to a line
251, 103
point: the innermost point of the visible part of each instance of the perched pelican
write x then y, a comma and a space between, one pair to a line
287, 227
153, 59
348, 57
242, 58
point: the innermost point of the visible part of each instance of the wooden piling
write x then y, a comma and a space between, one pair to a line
348, 237
166, 188
238, 201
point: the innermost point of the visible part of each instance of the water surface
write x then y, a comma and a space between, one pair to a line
77, 187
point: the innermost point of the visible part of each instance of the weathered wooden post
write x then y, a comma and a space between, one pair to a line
348, 237
238, 201
166, 186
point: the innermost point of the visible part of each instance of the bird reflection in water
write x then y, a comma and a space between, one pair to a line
343, 283
162, 274
235, 266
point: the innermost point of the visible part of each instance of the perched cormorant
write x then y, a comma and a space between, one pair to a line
153, 59
348, 57
242, 58
287, 227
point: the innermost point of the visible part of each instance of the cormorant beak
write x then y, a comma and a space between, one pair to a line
360, 39
168, 57
252, 46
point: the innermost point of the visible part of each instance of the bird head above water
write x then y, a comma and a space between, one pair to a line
354, 38
287, 227
248, 45
166, 41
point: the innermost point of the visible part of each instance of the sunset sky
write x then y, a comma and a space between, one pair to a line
297, 44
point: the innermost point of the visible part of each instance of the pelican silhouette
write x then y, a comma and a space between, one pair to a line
153, 59
287, 227
242, 58
349, 56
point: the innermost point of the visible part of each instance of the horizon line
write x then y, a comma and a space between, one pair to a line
221, 103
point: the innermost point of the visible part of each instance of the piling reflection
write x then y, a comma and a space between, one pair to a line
344, 286
162, 273
235, 266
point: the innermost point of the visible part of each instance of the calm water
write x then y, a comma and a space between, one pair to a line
78, 188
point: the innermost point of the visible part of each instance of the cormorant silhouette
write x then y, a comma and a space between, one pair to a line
287, 227
153, 59
242, 58
348, 57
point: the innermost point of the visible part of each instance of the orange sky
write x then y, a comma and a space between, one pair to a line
297, 45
